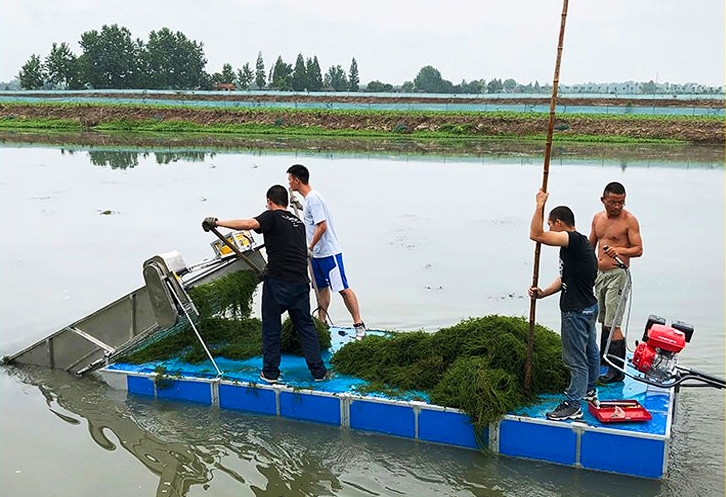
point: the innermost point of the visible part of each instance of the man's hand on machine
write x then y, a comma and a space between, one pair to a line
609, 251
296, 203
209, 223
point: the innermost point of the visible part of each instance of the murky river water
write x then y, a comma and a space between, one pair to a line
428, 241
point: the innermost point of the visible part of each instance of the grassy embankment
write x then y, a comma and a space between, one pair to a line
178, 119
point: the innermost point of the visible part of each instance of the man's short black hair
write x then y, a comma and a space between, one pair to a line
564, 214
300, 172
277, 194
615, 188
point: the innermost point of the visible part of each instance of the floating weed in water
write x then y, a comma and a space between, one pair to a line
107, 212
476, 365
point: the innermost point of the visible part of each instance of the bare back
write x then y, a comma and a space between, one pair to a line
621, 233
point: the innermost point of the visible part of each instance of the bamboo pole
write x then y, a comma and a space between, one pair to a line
545, 177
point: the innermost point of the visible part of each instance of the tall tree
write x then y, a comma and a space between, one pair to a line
353, 78
314, 75
281, 75
429, 80
174, 61
335, 78
228, 75
32, 74
112, 58
245, 76
260, 72
299, 76
61, 66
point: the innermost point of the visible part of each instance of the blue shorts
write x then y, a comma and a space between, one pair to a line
329, 272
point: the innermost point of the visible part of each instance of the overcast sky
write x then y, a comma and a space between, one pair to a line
677, 41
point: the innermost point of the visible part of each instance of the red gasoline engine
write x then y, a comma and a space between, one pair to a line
657, 355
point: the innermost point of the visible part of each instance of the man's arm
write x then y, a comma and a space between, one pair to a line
634, 239
318, 233
553, 288
593, 236
239, 224
536, 229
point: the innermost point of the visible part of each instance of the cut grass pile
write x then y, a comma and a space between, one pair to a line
225, 324
476, 365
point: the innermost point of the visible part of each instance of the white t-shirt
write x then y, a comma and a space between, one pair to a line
315, 212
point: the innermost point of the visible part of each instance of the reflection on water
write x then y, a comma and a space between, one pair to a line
196, 146
151, 431
74, 399
643, 156
118, 159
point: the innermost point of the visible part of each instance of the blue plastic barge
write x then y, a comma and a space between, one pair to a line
630, 448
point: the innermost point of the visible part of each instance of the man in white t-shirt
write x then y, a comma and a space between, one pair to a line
324, 249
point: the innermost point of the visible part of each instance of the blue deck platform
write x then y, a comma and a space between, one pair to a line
632, 448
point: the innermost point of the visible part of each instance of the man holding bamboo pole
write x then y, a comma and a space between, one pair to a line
578, 305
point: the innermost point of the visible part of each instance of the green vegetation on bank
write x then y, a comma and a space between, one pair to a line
111, 107
165, 118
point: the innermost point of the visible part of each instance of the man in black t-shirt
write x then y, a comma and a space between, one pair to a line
578, 305
285, 286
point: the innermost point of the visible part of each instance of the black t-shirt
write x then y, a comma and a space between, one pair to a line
284, 236
578, 269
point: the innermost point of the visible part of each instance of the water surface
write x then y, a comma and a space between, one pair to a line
428, 241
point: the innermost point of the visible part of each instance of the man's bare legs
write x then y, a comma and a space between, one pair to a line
323, 303
349, 299
351, 302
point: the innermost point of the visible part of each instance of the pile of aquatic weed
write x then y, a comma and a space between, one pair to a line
476, 365
225, 325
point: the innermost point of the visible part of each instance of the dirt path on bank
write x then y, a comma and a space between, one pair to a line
362, 98
499, 125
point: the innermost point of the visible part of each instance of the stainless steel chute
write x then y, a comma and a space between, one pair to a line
159, 307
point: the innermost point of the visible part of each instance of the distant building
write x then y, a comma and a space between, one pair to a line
636, 88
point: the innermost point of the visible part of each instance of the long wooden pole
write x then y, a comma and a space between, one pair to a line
545, 177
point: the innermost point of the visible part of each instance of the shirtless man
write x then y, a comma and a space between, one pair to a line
615, 235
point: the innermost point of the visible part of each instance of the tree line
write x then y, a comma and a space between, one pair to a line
112, 59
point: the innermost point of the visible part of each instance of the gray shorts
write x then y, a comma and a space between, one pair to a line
611, 287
